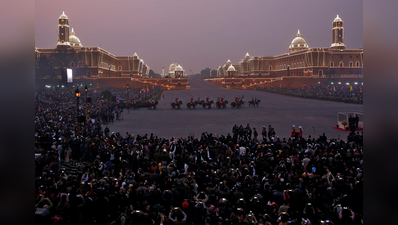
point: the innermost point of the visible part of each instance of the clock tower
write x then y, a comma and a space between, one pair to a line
63, 30
338, 34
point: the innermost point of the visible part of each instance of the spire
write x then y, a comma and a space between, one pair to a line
72, 33
247, 55
135, 54
298, 33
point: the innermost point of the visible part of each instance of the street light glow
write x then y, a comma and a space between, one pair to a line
347, 83
356, 83
331, 83
339, 82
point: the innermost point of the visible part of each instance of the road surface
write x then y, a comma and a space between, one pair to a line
279, 111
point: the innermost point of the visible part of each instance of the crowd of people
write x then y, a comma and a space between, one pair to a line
343, 93
63, 101
98, 176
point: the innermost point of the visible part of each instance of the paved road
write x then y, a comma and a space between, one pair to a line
280, 111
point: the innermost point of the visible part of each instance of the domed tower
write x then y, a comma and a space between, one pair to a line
179, 72
172, 69
298, 43
73, 40
63, 30
231, 71
338, 34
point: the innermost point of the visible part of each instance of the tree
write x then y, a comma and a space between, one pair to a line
330, 73
153, 74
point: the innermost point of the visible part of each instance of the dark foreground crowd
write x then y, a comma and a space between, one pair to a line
343, 93
104, 177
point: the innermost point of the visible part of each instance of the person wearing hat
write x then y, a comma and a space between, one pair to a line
293, 132
300, 132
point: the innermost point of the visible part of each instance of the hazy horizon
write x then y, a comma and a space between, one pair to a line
198, 34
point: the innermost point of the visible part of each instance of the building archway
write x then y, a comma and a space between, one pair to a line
320, 73
341, 64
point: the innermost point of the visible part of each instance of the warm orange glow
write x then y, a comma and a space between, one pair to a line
78, 95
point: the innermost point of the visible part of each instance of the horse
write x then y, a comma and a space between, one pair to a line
176, 106
205, 104
254, 103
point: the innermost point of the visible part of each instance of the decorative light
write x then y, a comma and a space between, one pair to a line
339, 82
347, 83
331, 83
77, 93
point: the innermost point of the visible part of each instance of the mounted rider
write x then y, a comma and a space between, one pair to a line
218, 100
192, 101
222, 100
237, 100
207, 100
177, 101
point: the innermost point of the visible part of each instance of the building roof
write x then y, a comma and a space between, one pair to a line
337, 19
231, 68
63, 16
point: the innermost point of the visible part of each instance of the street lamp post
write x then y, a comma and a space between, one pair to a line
77, 93
86, 90
128, 99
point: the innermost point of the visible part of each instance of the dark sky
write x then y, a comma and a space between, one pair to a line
198, 34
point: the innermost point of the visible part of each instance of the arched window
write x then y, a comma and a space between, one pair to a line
331, 64
357, 64
351, 64
300, 64
341, 64
120, 68
270, 68
320, 73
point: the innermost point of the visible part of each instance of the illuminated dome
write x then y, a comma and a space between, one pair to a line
63, 16
337, 19
179, 68
172, 67
231, 68
298, 43
73, 40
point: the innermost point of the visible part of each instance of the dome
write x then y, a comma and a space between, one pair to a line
337, 19
228, 61
63, 16
179, 68
298, 43
172, 67
231, 68
73, 40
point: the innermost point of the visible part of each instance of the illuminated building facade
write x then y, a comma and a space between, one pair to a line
301, 60
85, 61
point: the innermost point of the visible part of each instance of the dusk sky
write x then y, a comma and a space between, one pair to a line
198, 34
